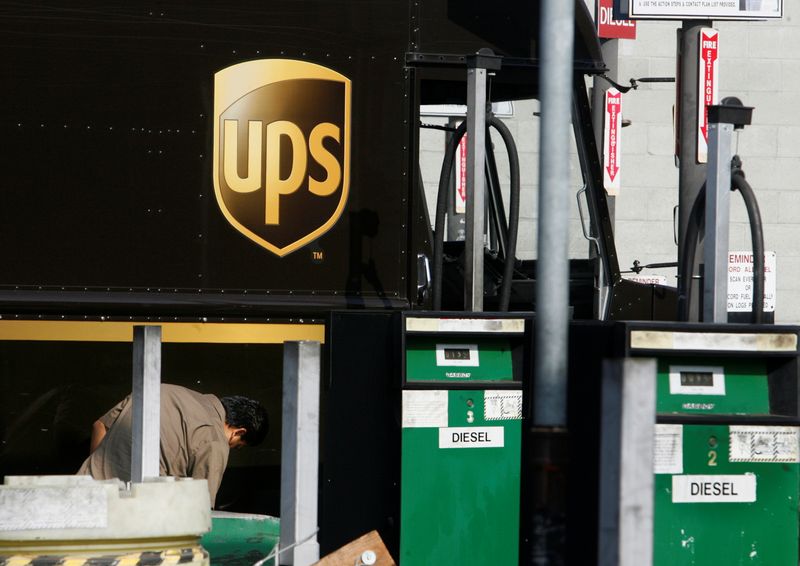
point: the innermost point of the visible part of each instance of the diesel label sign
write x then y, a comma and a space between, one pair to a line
281, 150
472, 437
714, 489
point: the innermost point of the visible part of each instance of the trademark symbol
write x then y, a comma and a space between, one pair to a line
317, 256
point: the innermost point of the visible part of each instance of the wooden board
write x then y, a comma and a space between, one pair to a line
349, 555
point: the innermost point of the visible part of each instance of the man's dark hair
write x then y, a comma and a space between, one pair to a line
243, 412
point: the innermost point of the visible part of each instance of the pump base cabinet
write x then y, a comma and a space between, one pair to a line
461, 442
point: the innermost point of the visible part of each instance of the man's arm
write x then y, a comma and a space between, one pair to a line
101, 425
209, 463
99, 431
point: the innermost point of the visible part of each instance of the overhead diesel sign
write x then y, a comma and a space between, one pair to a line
281, 150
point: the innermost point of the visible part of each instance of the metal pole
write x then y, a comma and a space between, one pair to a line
476, 149
610, 48
718, 191
146, 399
626, 467
552, 273
692, 174
300, 452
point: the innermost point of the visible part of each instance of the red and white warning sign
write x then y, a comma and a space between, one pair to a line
610, 27
708, 87
611, 141
461, 177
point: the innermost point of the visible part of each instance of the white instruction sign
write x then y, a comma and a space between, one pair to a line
424, 409
704, 9
668, 449
502, 405
776, 444
740, 281
714, 489
472, 437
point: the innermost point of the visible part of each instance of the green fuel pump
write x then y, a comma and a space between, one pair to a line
727, 461
727, 436
461, 440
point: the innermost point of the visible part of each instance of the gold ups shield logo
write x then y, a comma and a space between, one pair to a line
281, 150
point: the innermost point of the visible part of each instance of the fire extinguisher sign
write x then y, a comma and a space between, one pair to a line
611, 141
461, 177
708, 87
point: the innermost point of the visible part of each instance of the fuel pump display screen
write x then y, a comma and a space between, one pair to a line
697, 379
456, 353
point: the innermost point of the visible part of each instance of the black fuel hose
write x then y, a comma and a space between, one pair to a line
756, 236
513, 212
441, 212
697, 219
686, 263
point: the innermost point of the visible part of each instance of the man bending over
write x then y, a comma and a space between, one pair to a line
197, 432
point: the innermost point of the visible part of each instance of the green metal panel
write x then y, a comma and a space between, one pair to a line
238, 539
493, 363
746, 388
460, 505
764, 532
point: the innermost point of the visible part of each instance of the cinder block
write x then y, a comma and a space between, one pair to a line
529, 201
657, 39
640, 239
772, 40
528, 132
764, 173
768, 204
661, 140
756, 140
782, 239
633, 139
650, 171
649, 106
787, 307
529, 168
789, 141
789, 205
790, 73
661, 67
733, 40
739, 237
756, 74
429, 139
632, 67
661, 204
631, 204
773, 108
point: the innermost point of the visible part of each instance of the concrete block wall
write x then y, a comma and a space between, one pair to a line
760, 64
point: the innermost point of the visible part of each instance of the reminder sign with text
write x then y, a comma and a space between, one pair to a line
740, 281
